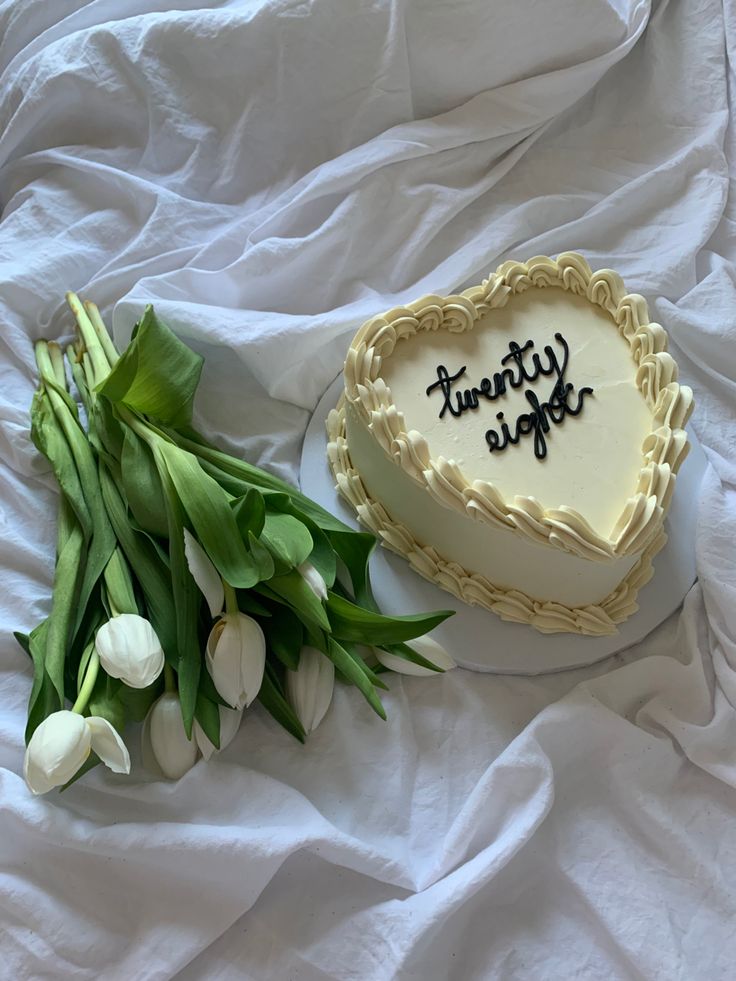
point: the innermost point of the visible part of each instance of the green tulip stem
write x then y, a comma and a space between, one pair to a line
79, 377
90, 677
102, 332
100, 363
169, 678
89, 373
57, 363
69, 425
231, 600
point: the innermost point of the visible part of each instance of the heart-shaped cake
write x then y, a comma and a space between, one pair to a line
518, 443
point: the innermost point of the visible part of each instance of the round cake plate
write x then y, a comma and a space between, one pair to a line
480, 640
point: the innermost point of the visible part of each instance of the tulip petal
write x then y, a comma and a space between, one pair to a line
148, 757
252, 657
229, 725
313, 579
204, 743
174, 753
310, 687
223, 662
428, 649
323, 694
38, 782
108, 745
129, 649
230, 720
57, 749
204, 573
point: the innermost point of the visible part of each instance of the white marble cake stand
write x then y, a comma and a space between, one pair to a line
477, 638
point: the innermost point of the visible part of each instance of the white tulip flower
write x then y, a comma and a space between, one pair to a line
129, 649
309, 688
313, 579
204, 573
236, 658
61, 745
164, 741
230, 720
427, 648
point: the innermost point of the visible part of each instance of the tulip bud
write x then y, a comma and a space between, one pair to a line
204, 573
129, 649
309, 688
236, 658
164, 739
61, 745
230, 720
427, 648
313, 579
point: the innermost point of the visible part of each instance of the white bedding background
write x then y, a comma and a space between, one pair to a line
270, 174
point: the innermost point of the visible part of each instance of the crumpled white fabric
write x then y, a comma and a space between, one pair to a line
269, 174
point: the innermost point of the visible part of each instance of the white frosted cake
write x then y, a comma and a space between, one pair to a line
518, 443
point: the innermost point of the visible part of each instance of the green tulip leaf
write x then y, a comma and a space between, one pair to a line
25, 641
287, 539
262, 558
108, 707
138, 701
408, 654
105, 701
106, 433
249, 603
149, 567
322, 556
208, 508
83, 647
207, 714
119, 586
156, 375
187, 602
44, 698
142, 484
354, 673
355, 549
207, 689
272, 698
218, 463
49, 438
351, 622
285, 636
371, 675
65, 602
250, 513
85, 539
292, 591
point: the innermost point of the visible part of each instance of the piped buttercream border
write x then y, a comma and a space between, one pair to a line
663, 449
472, 588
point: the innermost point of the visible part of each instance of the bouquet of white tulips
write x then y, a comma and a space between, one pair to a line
188, 583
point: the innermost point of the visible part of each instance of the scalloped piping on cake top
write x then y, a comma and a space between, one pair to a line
663, 449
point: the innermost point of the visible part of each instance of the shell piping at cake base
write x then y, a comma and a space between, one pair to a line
509, 604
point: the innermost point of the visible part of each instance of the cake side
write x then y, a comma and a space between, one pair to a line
558, 571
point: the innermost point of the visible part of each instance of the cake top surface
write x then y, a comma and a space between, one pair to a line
543, 401
466, 393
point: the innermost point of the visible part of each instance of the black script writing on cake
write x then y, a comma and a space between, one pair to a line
520, 366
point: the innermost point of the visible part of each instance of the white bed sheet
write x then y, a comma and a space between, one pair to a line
270, 173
